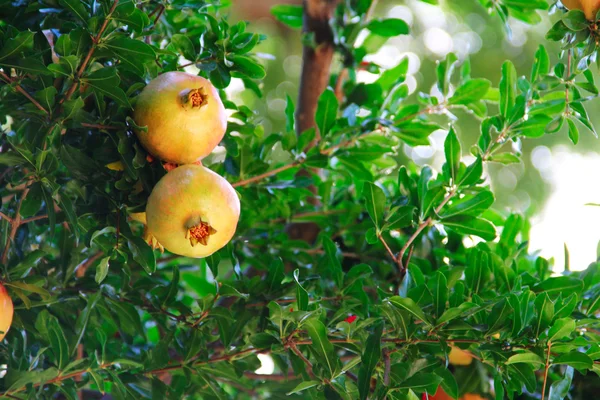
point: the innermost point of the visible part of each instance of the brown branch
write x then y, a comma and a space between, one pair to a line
546, 369
100, 126
388, 366
6, 217
20, 89
278, 378
266, 174
88, 57
160, 13
31, 219
306, 361
80, 271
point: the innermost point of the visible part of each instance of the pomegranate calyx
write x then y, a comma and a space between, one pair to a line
152, 241
200, 233
194, 98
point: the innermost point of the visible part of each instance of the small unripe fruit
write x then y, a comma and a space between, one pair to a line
193, 211
184, 115
589, 7
6, 312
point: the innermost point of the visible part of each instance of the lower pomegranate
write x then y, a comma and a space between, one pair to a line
6, 311
193, 211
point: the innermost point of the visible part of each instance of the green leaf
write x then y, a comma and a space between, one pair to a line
562, 327
470, 91
58, 342
132, 53
410, 306
575, 20
560, 284
455, 312
334, 263
370, 358
301, 293
247, 66
322, 346
541, 65
303, 386
573, 131
560, 389
508, 88
439, 291
534, 126
102, 269
469, 205
106, 82
472, 174
545, 313
375, 203
288, 14
77, 7
467, 225
388, 27
15, 46
84, 318
575, 359
527, 358
421, 382
327, 108
142, 253
448, 382
525, 374
444, 71
452, 152
184, 46
399, 217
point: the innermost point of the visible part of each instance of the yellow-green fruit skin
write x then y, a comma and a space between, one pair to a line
6, 312
185, 196
589, 7
178, 133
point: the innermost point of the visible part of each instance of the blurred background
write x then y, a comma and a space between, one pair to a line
556, 180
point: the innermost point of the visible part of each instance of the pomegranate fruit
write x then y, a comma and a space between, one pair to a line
184, 115
589, 7
193, 211
6, 311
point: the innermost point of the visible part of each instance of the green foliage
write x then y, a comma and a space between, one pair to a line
370, 310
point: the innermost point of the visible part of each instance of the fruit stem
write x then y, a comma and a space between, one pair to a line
200, 233
194, 98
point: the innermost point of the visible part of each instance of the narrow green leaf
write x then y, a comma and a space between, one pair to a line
410, 306
508, 89
452, 152
327, 108
375, 203
370, 357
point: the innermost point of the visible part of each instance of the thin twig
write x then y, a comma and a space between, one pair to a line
546, 369
6, 217
88, 57
306, 361
31, 219
20, 89
388, 365
266, 174
100, 126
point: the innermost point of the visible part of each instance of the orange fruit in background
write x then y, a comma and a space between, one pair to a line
184, 115
6, 311
589, 7
441, 395
193, 211
459, 357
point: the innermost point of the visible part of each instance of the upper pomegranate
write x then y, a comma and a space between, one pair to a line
193, 211
589, 7
184, 115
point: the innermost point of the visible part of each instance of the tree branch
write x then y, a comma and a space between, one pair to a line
20, 89
266, 174
546, 369
88, 57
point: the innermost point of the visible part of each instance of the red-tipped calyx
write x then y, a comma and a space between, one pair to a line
200, 233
